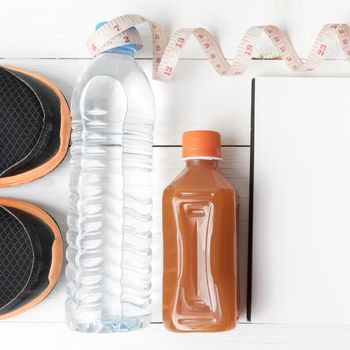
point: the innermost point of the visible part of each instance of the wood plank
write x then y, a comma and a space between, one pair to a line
51, 194
57, 336
60, 28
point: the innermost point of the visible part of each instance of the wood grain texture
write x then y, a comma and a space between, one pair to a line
60, 28
245, 337
196, 98
231, 108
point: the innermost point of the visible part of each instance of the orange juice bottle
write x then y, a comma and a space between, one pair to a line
200, 278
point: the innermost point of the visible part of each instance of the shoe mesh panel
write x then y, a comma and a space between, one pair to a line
21, 121
16, 257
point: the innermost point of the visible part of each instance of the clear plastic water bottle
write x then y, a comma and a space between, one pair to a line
109, 237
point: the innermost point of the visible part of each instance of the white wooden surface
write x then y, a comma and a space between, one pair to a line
48, 36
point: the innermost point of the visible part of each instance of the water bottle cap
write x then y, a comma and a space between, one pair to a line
127, 48
201, 143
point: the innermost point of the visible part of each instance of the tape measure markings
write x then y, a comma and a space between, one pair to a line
121, 30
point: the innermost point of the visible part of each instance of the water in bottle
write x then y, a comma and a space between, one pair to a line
109, 237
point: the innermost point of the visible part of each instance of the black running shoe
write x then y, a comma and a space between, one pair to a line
35, 126
31, 254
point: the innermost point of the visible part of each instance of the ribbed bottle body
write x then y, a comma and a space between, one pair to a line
109, 237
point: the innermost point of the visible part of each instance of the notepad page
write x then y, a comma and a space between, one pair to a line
301, 201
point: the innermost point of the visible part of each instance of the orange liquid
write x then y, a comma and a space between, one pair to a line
200, 278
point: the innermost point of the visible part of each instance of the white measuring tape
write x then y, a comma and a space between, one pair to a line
121, 30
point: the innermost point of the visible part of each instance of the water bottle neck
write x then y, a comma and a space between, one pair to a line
124, 50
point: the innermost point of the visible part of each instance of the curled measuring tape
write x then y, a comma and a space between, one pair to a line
121, 30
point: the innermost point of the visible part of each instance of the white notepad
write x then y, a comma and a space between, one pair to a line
301, 201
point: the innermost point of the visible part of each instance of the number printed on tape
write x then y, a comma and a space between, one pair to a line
122, 30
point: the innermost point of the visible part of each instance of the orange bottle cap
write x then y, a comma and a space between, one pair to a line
201, 144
